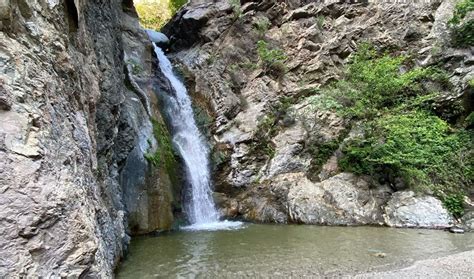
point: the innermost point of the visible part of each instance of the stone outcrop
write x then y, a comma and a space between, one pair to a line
277, 155
405, 209
340, 200
74, 126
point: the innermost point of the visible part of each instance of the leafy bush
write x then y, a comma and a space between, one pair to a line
471, 83
463, 33
417, 146
461, 10
267, 127
374, 83
402, 138
136, 67
454, 203
272, 59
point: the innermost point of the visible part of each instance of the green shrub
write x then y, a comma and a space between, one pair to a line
268, 126
463, 33
153, 14
454, 203
376, 83
461, 10
237, 8
402, 138
272, 59
417, 146
380, 79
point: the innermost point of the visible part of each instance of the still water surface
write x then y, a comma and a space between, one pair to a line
286, 250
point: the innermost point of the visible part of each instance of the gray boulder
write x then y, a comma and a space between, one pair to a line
344, 199
405, 209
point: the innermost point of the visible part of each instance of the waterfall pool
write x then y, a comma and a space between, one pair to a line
285, 251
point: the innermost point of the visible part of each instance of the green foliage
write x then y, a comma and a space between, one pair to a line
175, 5
374, 83
401, 138
248, 65
164, 155
272, 59
471, 83
461, 10
454, 203
469, 120
320, 21
321, 154
153, 14
262, 25
463, 33
417, 146
136, 67
237, 8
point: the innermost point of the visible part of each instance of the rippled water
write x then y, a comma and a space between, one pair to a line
286, 250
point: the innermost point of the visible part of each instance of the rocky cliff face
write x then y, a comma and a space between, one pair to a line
276, 157
74, 111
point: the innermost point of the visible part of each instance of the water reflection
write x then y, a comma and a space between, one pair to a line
271, 250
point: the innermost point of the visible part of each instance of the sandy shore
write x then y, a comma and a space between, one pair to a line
460, 265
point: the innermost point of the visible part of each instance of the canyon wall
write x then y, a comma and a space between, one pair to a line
75, 108
261, 71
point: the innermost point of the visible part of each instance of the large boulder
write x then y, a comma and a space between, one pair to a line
344, 199
406, 209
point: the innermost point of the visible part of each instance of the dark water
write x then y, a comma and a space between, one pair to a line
282, 251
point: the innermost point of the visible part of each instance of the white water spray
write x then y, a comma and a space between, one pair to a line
192, 147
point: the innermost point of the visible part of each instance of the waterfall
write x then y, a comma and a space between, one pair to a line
192, 147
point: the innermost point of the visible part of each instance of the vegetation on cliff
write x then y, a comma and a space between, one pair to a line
403, 136
463, 28
164, 155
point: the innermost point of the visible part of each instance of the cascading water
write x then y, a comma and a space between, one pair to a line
191, 146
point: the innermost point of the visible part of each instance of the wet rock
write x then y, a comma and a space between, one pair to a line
456, 229
157, 37
405, 209
63, 144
